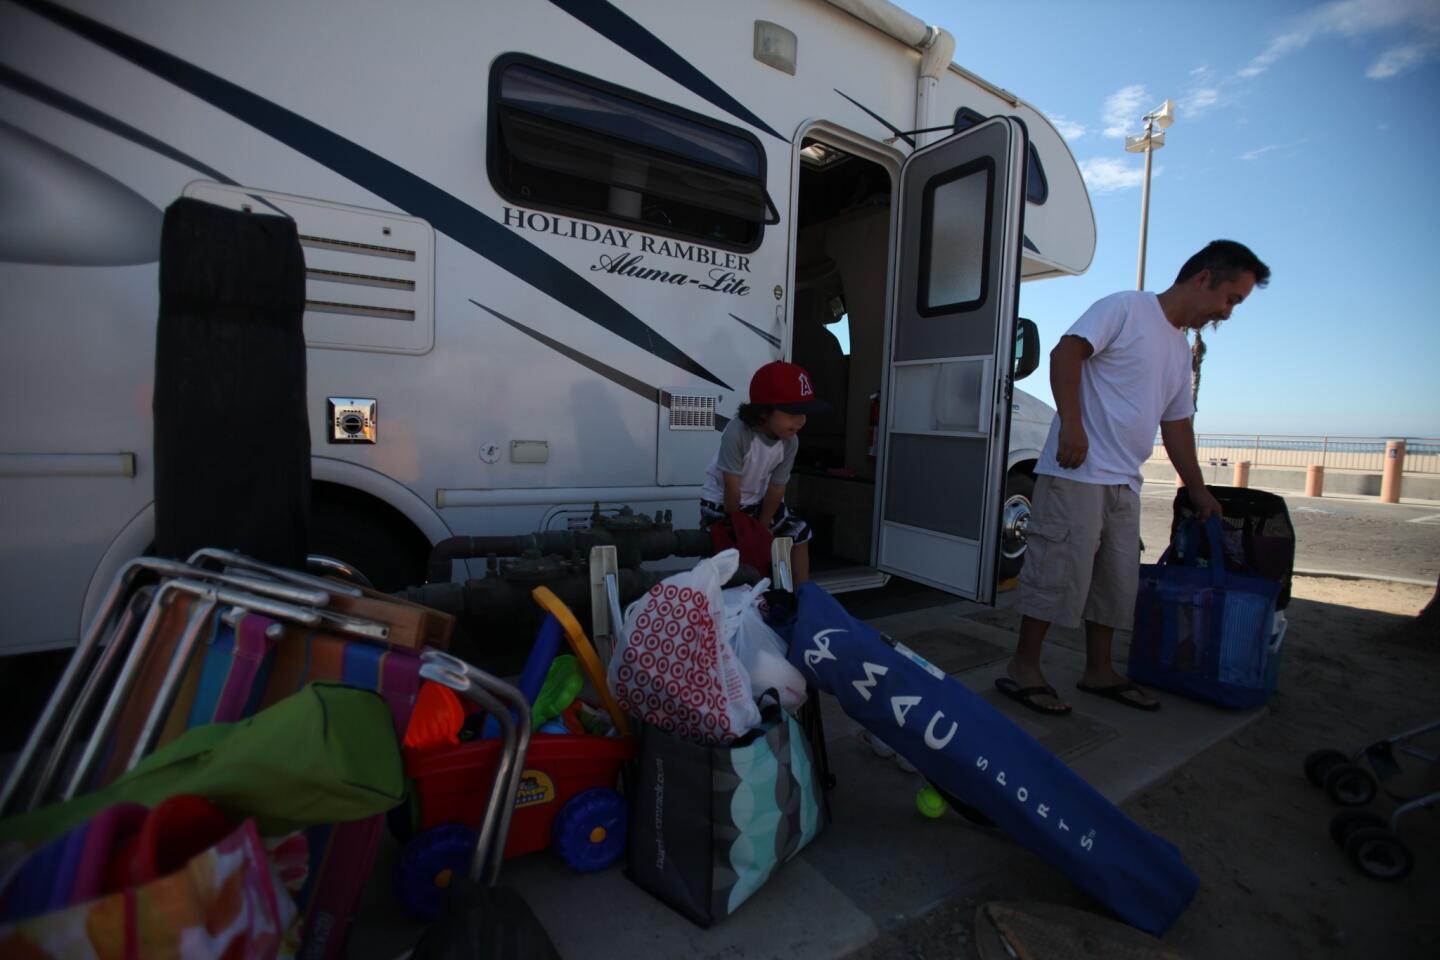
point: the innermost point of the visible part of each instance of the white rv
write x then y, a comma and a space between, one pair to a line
547, 245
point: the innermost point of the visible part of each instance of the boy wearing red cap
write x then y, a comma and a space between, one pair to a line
757, 452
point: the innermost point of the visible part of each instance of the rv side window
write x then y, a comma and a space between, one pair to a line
1037, 188
954, 239
566, 142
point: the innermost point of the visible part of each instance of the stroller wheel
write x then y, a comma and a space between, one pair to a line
1346, 822
1378, 853
589, 831
1350, 785
1319, 762
429, 863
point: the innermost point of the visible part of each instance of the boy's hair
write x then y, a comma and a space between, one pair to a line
753, 415
1226, 260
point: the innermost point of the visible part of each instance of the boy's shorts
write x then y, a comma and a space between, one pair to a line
1082, 554
786, 523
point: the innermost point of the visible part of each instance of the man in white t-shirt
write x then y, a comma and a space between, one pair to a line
1120, 371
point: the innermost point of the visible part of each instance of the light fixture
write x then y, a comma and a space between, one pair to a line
1163, 115
775, 46
818, 155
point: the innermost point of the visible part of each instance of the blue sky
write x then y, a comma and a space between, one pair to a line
1309, 131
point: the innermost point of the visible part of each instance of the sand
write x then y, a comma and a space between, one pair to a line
1252, 826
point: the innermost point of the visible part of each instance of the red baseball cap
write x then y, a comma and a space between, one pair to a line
785, 386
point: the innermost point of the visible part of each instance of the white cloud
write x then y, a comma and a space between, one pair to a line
1397, 60
1069, 129
1123, 110
1353, 19
1108, 174
1259, 151
1199, 100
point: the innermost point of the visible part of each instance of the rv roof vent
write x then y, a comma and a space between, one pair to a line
692, 412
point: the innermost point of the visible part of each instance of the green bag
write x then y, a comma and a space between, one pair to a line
326, 754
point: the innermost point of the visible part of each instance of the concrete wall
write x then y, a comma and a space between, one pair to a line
1352, 482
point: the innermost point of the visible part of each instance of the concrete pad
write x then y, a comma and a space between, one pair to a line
879, 862
883, 854
952, 650
798, 913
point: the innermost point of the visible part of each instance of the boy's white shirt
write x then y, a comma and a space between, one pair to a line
759, 461
1138, 376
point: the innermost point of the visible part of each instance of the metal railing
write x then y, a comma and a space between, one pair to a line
1364, 454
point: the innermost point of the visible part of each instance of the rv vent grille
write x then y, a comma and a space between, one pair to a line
689, 412
353, 246
369, 274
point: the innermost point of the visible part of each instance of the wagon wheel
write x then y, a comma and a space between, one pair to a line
589, 831
428, 864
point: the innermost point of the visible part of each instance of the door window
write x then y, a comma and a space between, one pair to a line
953, 234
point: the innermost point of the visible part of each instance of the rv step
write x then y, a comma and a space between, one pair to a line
850, 579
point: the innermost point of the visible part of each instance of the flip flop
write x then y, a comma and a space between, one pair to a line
1117, 691
1026, 696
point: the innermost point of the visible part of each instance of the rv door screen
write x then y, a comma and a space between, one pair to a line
953, 295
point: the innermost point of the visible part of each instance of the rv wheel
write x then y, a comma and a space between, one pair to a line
1014, 518
362, 536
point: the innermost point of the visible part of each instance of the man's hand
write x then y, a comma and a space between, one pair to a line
1073, 446
1204, 502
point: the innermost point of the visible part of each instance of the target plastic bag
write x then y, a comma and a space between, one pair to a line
675, 668
760, 649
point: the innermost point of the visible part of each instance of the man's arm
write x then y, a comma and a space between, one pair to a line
1065, 361
773, 495
1179, 439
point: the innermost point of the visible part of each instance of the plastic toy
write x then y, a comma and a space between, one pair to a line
929, 802
589, 660
589, 832
566, 800
437, 718
565, 797
537, 668
562, 685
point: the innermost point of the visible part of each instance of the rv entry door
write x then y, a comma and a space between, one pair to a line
953, 296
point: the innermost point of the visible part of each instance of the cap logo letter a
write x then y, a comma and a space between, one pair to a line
805, 390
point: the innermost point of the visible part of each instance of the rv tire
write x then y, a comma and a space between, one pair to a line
1014, 517
368, 536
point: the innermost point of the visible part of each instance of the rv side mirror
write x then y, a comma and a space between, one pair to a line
1027, 348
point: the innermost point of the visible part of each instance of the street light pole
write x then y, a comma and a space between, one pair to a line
1147, 143
1145, 204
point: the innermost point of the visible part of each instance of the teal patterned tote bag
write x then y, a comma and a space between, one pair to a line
711, 824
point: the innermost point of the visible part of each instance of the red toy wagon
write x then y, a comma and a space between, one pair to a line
567, 800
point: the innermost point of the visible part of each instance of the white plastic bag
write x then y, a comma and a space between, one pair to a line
673, 665
759, 648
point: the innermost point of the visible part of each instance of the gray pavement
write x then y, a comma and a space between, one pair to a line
1334, 534
879, 862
